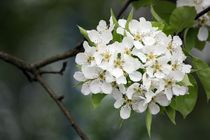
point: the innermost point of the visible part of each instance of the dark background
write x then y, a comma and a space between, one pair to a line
36, 29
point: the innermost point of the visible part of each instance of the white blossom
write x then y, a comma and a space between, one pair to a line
204, 21
86, 58
171, 87
152, 101
142, 70
103, 34
122, 102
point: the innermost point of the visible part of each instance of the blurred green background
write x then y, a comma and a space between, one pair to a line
36, 29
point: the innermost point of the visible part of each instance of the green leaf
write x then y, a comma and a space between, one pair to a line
203, 74
117, 37
200, 44
181, 18
155, 15
185, 104
97, 98
171, 113
208, 39
168, 29
85, 34
190, 37
163, 10
148, 122
159, 25
186, 81
191, 40
130, 17
113, 18
142, 3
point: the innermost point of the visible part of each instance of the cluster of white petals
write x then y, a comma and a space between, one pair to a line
141, 72
204, 21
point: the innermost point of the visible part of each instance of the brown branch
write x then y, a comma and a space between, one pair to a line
77, 49
122, 10
14, 61
62, 107
202, 13
28, 70
59, 57
34, 70
33, 73
60, 98
61, 71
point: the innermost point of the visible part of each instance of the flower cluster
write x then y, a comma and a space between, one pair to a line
135, 63
204, 21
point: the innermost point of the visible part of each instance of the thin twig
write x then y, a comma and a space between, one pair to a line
122, 10
78, 48
60, 98
51, 93
61, 71
26, 69
59, 57
32, 72
202, 13
27, 74
14, 60
33, 69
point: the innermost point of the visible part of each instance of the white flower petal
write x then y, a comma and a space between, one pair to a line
159, 75
139, 54
138, 45
149, 95
117, 72
98, 58
130, 91
134, 26
106, 37
81, 58
120, 30
135, 76
79, 76
86, 47
181, 3
85, 89
125, 112
106, 88
154, 108
179, 90
102, 25
177, 41
150, 71
119, 103
146, 81
90, 72
122, 88
95, 86
111, 21
117, 94
169, 94
142, 106
162, 100
109, 77
186, 68
203, 33
122, 22
131, 64
121, 80
177, 75
148, 41
94, 36
127, 42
